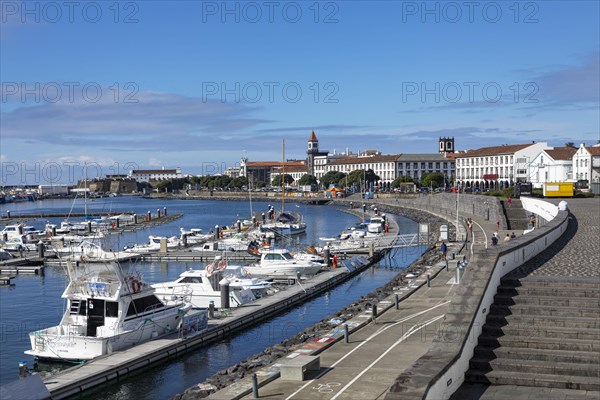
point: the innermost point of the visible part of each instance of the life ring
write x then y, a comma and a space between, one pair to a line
49, 234
209, 269
222, 265
136, 285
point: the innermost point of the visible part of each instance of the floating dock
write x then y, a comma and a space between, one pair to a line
80, 378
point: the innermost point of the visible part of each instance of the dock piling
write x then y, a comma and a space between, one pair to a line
428, 280
211, 309
346, 334
397, 301
255, 386
374, 310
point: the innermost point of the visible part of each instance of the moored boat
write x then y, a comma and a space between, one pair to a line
108, 311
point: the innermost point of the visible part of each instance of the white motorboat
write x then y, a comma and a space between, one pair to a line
195, 287
153, 244
18, 230
91, 252
280, 263
227, 244
108, 311
19, 243
195, 236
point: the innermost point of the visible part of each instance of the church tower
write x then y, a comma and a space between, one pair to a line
446, 145
313, 150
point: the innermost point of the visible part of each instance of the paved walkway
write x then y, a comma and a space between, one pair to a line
365, 367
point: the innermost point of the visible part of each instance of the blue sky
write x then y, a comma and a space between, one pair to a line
196, 84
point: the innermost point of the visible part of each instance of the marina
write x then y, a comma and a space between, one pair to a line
181, 254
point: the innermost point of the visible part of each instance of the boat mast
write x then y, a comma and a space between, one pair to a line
85, 189
282, 175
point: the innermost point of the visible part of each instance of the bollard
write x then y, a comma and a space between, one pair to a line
326, 255
428, 280
7, 214
239, 225
253, 220
149, 216
158, 212
453, 256
346, 334
20, 229
457, 275
224, 283
53, 231
89, 227
211, 309
397, 301
446, 265
184, 239
255, 386
263, 218
217, 231
135, 219
40, 247
23, 370
374, 310
164, 211
118, 222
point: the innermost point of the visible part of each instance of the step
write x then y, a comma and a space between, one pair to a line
539, 310
547, 301
566, 282
547, 355
567, 344
543, 320
533, 379
567, 370
548, 291
541, 331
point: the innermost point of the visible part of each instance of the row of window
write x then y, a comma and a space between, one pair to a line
489, 160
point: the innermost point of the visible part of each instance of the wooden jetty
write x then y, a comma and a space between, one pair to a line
24, 265
5, 280
198, 256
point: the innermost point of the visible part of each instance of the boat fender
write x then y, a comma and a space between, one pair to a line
209, 269
222, 265
136, 285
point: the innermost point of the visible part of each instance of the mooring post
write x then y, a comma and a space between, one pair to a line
346, 334
374, 310
397, 301
255, 386
428, 280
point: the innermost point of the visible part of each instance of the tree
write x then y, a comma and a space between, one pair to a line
332, 178
307, 179
401, 179
164, 186
434, 179
259, 184
238, 182
360, 175
569, 144
287, 179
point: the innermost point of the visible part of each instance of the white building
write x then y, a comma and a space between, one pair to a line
416, 165
295, 171
147, 175
497, 166
554, 165
586, 163
53, 189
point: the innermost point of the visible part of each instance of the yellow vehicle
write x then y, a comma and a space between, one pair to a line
559, 189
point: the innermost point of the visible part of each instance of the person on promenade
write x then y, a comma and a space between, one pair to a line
494, 240
498, 225
509, 201
469, 228
444, 249
512, 235
507, 237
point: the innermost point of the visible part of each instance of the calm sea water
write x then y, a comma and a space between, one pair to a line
34, 302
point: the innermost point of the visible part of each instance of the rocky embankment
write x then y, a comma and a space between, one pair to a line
270, 355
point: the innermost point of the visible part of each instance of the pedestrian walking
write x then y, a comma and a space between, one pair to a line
498, 225
509, 201
444, 249
494, 240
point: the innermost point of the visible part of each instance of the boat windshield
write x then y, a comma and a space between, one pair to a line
287, 256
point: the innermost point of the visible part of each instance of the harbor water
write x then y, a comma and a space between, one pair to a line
34, 302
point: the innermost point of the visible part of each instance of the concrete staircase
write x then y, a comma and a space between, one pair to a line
516, 215
541, 332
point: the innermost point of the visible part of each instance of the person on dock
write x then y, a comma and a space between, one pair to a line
512, 235
494, 239
507, 238
444, 249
